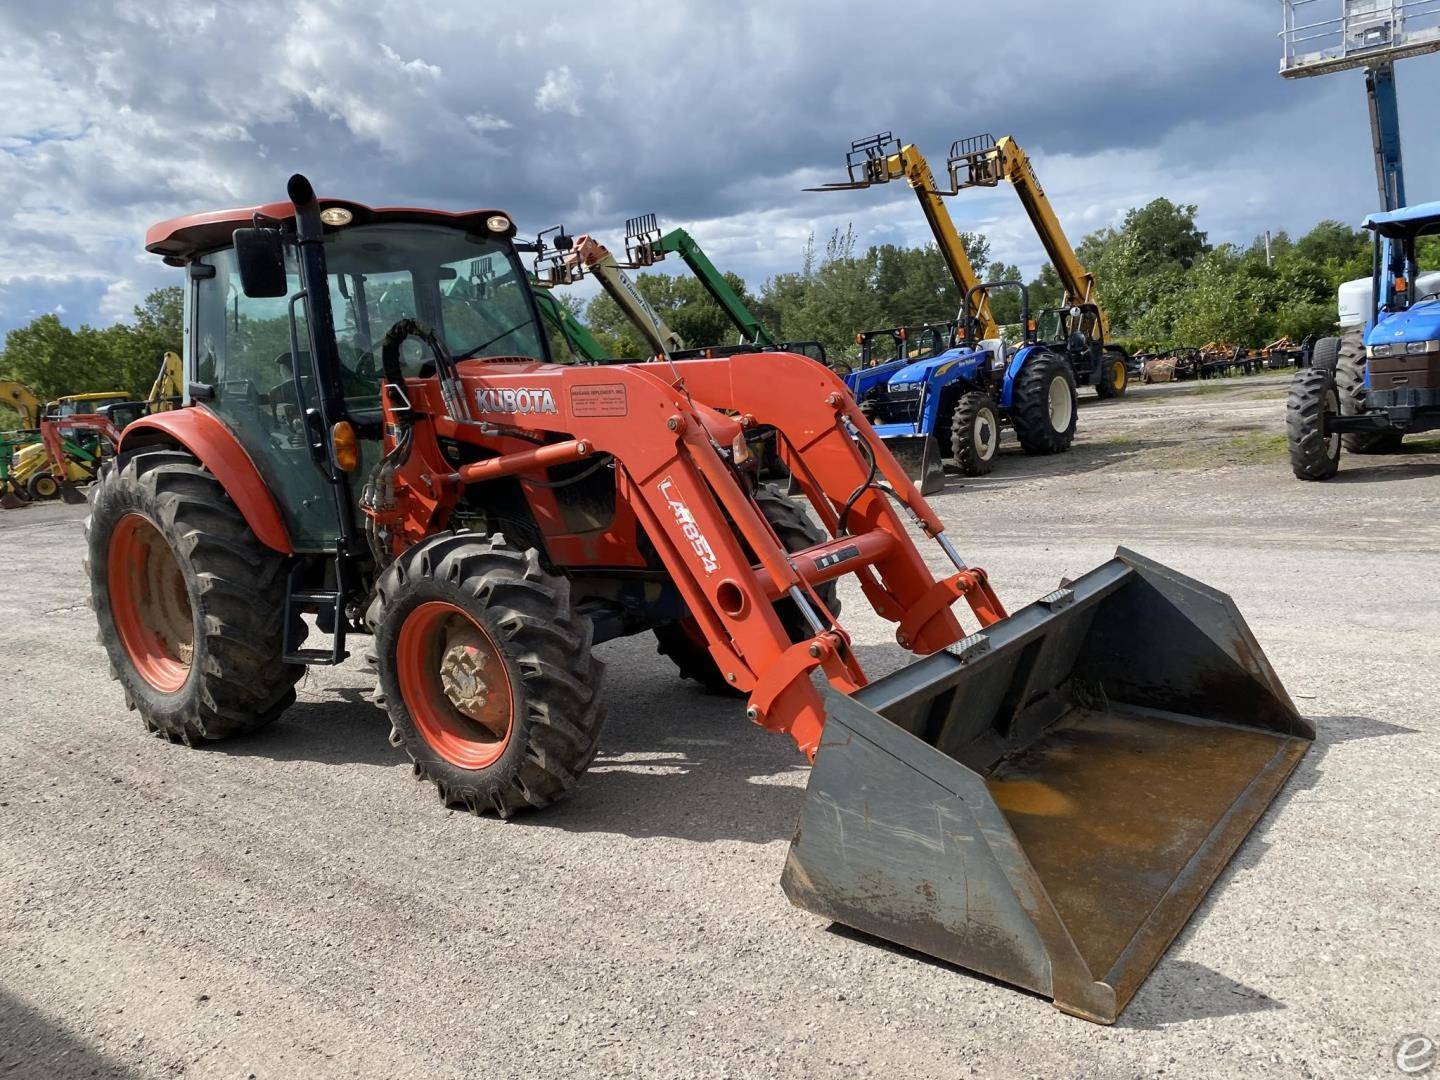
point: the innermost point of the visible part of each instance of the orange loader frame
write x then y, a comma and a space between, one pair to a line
664, 424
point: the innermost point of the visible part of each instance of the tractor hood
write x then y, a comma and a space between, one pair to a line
1418, 323
912, 376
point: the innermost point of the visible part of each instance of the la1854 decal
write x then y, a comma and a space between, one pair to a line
686, 520
520, 400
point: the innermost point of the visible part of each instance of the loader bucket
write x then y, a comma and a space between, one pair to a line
1047, 801
920, 457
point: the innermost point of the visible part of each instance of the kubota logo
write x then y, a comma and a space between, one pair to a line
686, 520
523, 400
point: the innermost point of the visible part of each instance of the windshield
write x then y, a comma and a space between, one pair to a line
471, 288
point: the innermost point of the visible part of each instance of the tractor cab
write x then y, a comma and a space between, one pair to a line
249, 335
1404, 319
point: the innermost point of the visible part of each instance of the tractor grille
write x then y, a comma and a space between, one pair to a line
884, 407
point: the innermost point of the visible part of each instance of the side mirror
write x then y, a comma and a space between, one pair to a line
260, 254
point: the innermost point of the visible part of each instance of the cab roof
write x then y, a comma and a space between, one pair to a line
183, 238
1405, 221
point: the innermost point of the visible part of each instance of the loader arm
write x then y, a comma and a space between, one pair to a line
20, 398
595, 258
680, 242
983, 161
673, 471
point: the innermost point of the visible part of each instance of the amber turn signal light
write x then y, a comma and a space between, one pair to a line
344, 446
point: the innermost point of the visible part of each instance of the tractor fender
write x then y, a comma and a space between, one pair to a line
204, 435
1012, 372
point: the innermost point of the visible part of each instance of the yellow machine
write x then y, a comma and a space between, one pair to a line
29, 469
983, 161
20, 398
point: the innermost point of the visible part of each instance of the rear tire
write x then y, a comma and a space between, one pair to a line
975, 433
1044, 410
682, 643
1114, 375
191, 605
1349, 369
1314, 455
487, 672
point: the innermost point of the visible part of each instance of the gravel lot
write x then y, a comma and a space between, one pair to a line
293, 904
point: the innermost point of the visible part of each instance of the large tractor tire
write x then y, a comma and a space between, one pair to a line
1045, 406
486, 670
1314, 454
683, 643
975, 433
1325, 353
1349, 369
191, 605
42, 486
1114, 377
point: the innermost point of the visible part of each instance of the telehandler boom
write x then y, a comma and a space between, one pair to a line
571, 258
1044, 798
1082, 326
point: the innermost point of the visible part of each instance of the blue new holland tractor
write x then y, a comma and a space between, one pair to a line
1367, 395
953, 403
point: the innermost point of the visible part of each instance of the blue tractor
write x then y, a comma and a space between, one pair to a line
1369, 399
952, 403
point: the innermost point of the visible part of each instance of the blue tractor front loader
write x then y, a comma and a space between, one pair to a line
953, 403
1367, 401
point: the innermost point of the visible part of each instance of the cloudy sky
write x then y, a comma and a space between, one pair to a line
711, 113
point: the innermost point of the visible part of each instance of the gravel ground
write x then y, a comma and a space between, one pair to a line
293, 904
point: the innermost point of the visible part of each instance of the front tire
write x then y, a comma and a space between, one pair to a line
1314, 454
1349, 369
191, 605
487, 672
42, 486
975, 433
1114, 375
1045, 405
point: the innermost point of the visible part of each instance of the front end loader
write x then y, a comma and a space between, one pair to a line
1044, 797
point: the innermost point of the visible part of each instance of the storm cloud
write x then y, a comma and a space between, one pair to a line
715, 115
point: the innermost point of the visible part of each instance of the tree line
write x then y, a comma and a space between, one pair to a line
1161, 282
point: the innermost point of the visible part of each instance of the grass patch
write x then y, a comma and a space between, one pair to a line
1257, 448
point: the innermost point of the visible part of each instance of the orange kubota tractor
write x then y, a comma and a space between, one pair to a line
375, 440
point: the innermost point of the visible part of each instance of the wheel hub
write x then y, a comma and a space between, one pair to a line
986, 435
1059, 403
462, 674
454, 681
150, 604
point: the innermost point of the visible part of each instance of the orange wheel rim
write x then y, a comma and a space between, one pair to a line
455, 684
150, 604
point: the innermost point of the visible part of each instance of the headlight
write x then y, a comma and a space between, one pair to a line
497, 223
1402, 348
